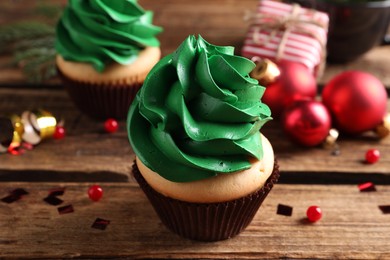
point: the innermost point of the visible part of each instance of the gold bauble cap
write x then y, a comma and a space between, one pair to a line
383, 129
265, 71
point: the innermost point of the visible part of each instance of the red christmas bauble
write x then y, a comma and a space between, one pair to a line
372, 156
111, 125
356, 100
295, 82
314, 213
307, 122
59, 132
95, 192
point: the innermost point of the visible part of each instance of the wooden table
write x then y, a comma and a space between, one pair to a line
352, 227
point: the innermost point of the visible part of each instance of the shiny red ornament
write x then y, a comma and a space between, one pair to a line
59, 132
95, 192
372, 156
356, 100
307, 122
295, 82
111, 125
314, 213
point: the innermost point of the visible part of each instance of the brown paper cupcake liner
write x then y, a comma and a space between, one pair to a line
101, 101
206, 221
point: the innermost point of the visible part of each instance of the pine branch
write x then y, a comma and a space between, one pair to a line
42, 42
24, 30
40, 70
31, 53
37, 64
31, 43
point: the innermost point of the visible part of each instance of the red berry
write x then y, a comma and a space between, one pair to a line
314, 213
95, 192
59, 132
111, 125
372, 156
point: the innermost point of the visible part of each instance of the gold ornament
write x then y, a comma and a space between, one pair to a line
38, 125
265, 71
331, 141
26, 130
18, 130
383, 129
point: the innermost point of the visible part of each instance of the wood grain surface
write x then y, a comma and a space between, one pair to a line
89, 154
352, 226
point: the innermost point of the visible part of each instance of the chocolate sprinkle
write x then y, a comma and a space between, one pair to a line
14, 195
57, 192
284, 210
385, 209
53, 200
100, 223
366, 187
65, 209
19, 192
10, 198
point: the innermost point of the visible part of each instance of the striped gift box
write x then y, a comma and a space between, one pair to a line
281, 31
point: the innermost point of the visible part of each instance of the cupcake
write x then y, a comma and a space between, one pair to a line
195, 129
105, 49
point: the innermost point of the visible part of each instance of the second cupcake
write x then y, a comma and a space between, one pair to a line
105, 50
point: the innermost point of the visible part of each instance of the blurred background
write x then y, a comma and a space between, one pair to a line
357, 33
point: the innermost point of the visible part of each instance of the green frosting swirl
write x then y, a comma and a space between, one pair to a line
198, 113
102, 31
